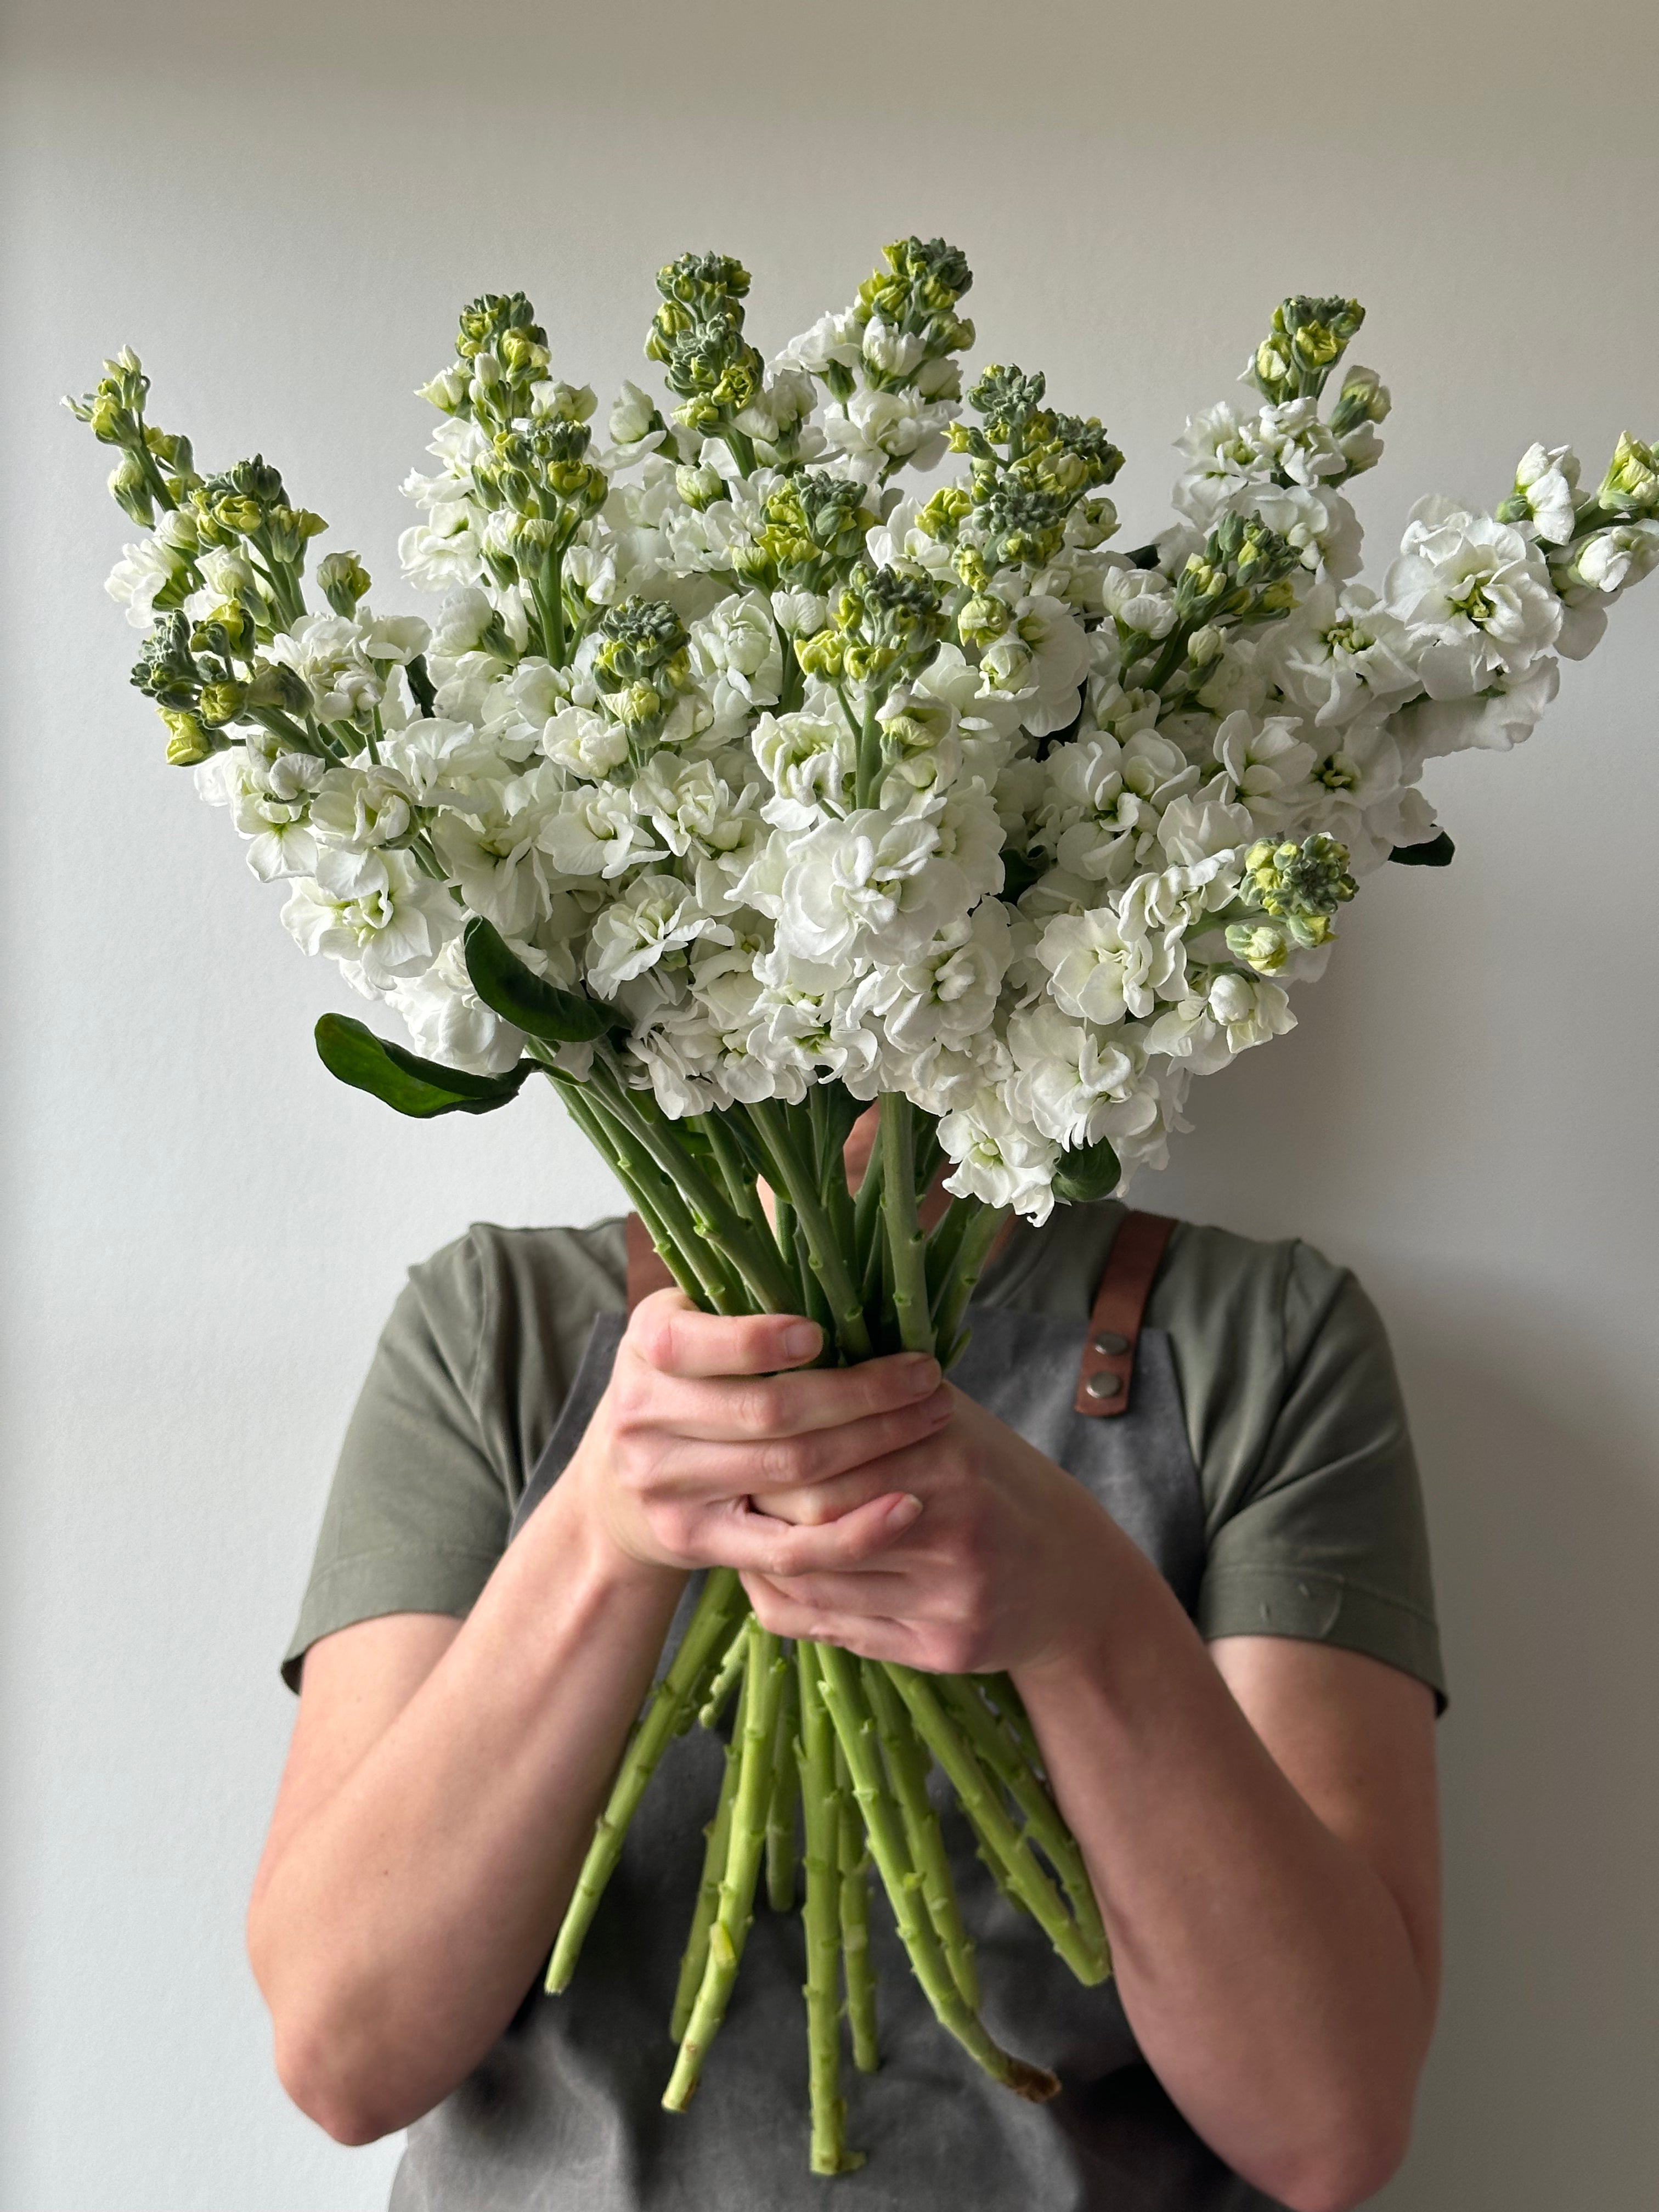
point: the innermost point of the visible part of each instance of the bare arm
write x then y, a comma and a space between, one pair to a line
1258, 1822
444, 1777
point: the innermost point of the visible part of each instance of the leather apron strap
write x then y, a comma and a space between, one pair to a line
1108, 1351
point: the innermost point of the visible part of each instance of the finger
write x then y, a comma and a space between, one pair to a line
865, 1638
793, 1467
667, 1332
752, 1407
872, 1593
755, 1542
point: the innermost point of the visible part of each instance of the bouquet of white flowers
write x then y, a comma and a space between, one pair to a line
736, 785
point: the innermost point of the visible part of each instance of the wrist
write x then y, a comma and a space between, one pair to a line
1098, 1601
581, 1520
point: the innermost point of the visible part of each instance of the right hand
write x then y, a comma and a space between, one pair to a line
706, 1451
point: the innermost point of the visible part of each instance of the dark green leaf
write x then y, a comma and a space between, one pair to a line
421, 684
508, 988
401, 1079
1091, 1172
1436, 853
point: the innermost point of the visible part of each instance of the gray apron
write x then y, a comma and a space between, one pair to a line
563, 2115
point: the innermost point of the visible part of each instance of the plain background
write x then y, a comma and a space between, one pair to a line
282, 208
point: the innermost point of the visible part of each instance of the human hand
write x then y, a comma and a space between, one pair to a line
1007, 1565
707, 1450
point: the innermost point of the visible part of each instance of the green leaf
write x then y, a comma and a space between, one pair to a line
399, 1078
1092, 1171
508, 988
1435, 853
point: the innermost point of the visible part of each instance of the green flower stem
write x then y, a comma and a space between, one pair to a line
752, 1258
980, 1235
853, 1903
908, 1764
814, 1302
944, 1248
866, 1214
699, 1273
718, 1833
740, 445
727, 1675
734, 1172
1006, 1703
746, 1844
828, 1264
855, 1731
786, 1793
983, 1805
705, 1633
815, 1756
898, 1202
1043, 1825
549, 605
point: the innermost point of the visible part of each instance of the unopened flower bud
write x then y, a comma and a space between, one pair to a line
342, 581
128, 487
188, 743
1204, 645
699, 487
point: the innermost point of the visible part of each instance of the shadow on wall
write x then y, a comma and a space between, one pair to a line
1545, 1526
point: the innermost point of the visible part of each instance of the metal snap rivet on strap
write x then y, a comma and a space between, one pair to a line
1103, 1386
1109, 1344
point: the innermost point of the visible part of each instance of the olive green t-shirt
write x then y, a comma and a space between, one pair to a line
1313, 1515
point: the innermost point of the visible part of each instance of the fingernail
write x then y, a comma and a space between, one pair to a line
923, 1376
803, 1341
905, 1512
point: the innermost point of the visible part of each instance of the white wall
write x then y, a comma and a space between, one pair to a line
203, 1233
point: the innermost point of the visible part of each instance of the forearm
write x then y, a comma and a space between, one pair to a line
1267, 1969
395, 1930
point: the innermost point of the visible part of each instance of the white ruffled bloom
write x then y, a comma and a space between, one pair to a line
1475, 594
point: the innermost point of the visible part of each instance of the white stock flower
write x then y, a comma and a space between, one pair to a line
1228, 1014
1547, 477
1502, 715
1069, 1078
361, 805
873, 429
449, 1022
947, 994
1340, 654
144, 572
1264, 764
374, 914
1102, 967
656, 914
1474, 594
999, 1159
871, 882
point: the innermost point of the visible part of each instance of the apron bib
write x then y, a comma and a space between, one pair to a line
563, 2115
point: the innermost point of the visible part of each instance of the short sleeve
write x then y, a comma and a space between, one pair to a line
461, 1395
1323, 1535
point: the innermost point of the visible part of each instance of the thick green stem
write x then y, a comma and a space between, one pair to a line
983, 1805
828, 1264
852, 1902
695, 1267
998, 1753
752, 1258
898, 1204
866, 1215
746, 1845
726, 1677
980, 1235
908, 1764
719, 1834
855, 1731
944, 1248
705, 1633
780, 1811
815, 1756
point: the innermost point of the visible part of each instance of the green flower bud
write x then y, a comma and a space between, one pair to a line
275, 684
222, 702
1204, 645
821, 654
128, 487
1301, 886
699, 487
290, 528
1263, 946
982, 620
1630, 485
188, 742
342, 579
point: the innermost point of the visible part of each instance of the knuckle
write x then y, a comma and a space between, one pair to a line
783, 1460
757, 1407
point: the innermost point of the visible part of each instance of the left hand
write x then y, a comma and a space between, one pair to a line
1007, 1565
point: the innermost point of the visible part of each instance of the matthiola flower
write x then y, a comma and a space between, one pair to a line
374, 914
656, 914
999, 1159
449, 1022
1475, 594
872, 881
